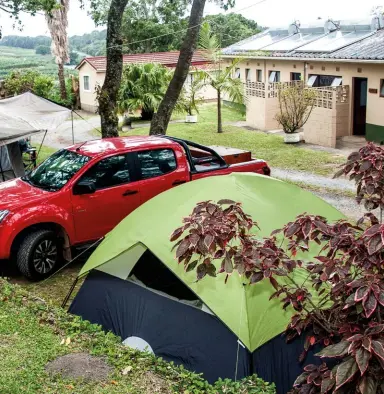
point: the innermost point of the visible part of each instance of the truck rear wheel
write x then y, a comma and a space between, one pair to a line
39, 254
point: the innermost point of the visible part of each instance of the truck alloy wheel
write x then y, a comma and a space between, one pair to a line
39, 254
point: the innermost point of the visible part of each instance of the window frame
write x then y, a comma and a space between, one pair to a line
259, 72
138, 163
295, 74
381, 91
89, 83
237, 73
129, 159
248, 75
276, 78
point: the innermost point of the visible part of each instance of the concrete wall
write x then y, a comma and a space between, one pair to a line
348, 71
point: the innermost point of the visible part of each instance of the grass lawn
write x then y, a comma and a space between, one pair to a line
33, 333
265, 146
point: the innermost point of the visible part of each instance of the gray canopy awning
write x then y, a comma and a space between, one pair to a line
27, 114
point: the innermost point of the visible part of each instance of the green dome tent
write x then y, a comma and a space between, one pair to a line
251, 322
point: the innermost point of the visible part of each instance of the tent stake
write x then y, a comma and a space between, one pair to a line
69, 293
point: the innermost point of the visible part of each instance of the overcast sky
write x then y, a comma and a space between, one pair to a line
267, 13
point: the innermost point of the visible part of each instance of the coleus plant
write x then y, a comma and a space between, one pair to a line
365, 167
347, 320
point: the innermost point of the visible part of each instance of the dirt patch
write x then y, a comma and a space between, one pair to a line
80, 366
151, 383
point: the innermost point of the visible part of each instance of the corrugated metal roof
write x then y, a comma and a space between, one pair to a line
168, 59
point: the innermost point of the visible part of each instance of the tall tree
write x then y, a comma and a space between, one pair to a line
162, 117
57, 21
108, 94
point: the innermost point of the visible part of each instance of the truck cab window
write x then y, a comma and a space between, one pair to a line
157, 162
112, 171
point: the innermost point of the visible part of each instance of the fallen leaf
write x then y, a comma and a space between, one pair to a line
62, 342
126, 370
67, 341
114, 382
70, 387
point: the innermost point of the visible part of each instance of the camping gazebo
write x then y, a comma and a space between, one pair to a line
21, 117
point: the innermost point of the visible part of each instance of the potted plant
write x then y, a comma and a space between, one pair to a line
191, 99
295, 106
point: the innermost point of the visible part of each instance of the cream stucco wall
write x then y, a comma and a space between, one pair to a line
347, 70
88, 97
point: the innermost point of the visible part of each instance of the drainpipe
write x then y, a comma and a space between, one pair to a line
265, 71
305, 72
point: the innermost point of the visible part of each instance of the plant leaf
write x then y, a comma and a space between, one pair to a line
368, 385
362, 359
345, 372
369, 305
337, 350
192, 266
375, 244
211, 270
201, 271
327, 385
361, 293
183, 247
256, 277
228, 266
226, 201
378, 349
176, 234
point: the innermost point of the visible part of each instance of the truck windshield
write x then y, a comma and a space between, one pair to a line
57, 170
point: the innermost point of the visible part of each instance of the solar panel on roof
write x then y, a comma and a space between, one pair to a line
263, 40
335, 40
295, 41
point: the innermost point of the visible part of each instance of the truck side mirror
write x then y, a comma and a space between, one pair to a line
84, 187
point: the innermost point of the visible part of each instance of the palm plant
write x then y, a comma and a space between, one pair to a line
190, 97
220, 79
142, 88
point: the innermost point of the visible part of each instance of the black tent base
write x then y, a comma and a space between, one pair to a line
183, 334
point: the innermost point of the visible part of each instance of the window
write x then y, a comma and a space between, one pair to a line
57, 170
156, 162
247, 74
337, 81
312, 80
318, 81
86, 82
237, 73
259, 75
382, 88
109, 172
295, 76
274, 76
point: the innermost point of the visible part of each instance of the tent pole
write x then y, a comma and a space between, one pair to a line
73, 132
41, 144
63, 305
1, 168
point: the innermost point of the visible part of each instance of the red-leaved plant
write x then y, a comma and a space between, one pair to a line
347, 276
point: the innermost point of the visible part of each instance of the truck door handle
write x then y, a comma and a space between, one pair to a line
129, 192
178, 182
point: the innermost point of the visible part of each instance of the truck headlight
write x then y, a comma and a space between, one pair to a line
3, 214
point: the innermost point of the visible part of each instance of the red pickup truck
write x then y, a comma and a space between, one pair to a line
80, 193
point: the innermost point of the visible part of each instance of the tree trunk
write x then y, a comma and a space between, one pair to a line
219, 118
162, 117
63, 89
110, 89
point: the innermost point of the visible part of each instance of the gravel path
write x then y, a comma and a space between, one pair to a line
313, 179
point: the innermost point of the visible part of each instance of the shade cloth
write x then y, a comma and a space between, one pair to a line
24, 115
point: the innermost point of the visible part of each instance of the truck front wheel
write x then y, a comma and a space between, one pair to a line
39, 254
